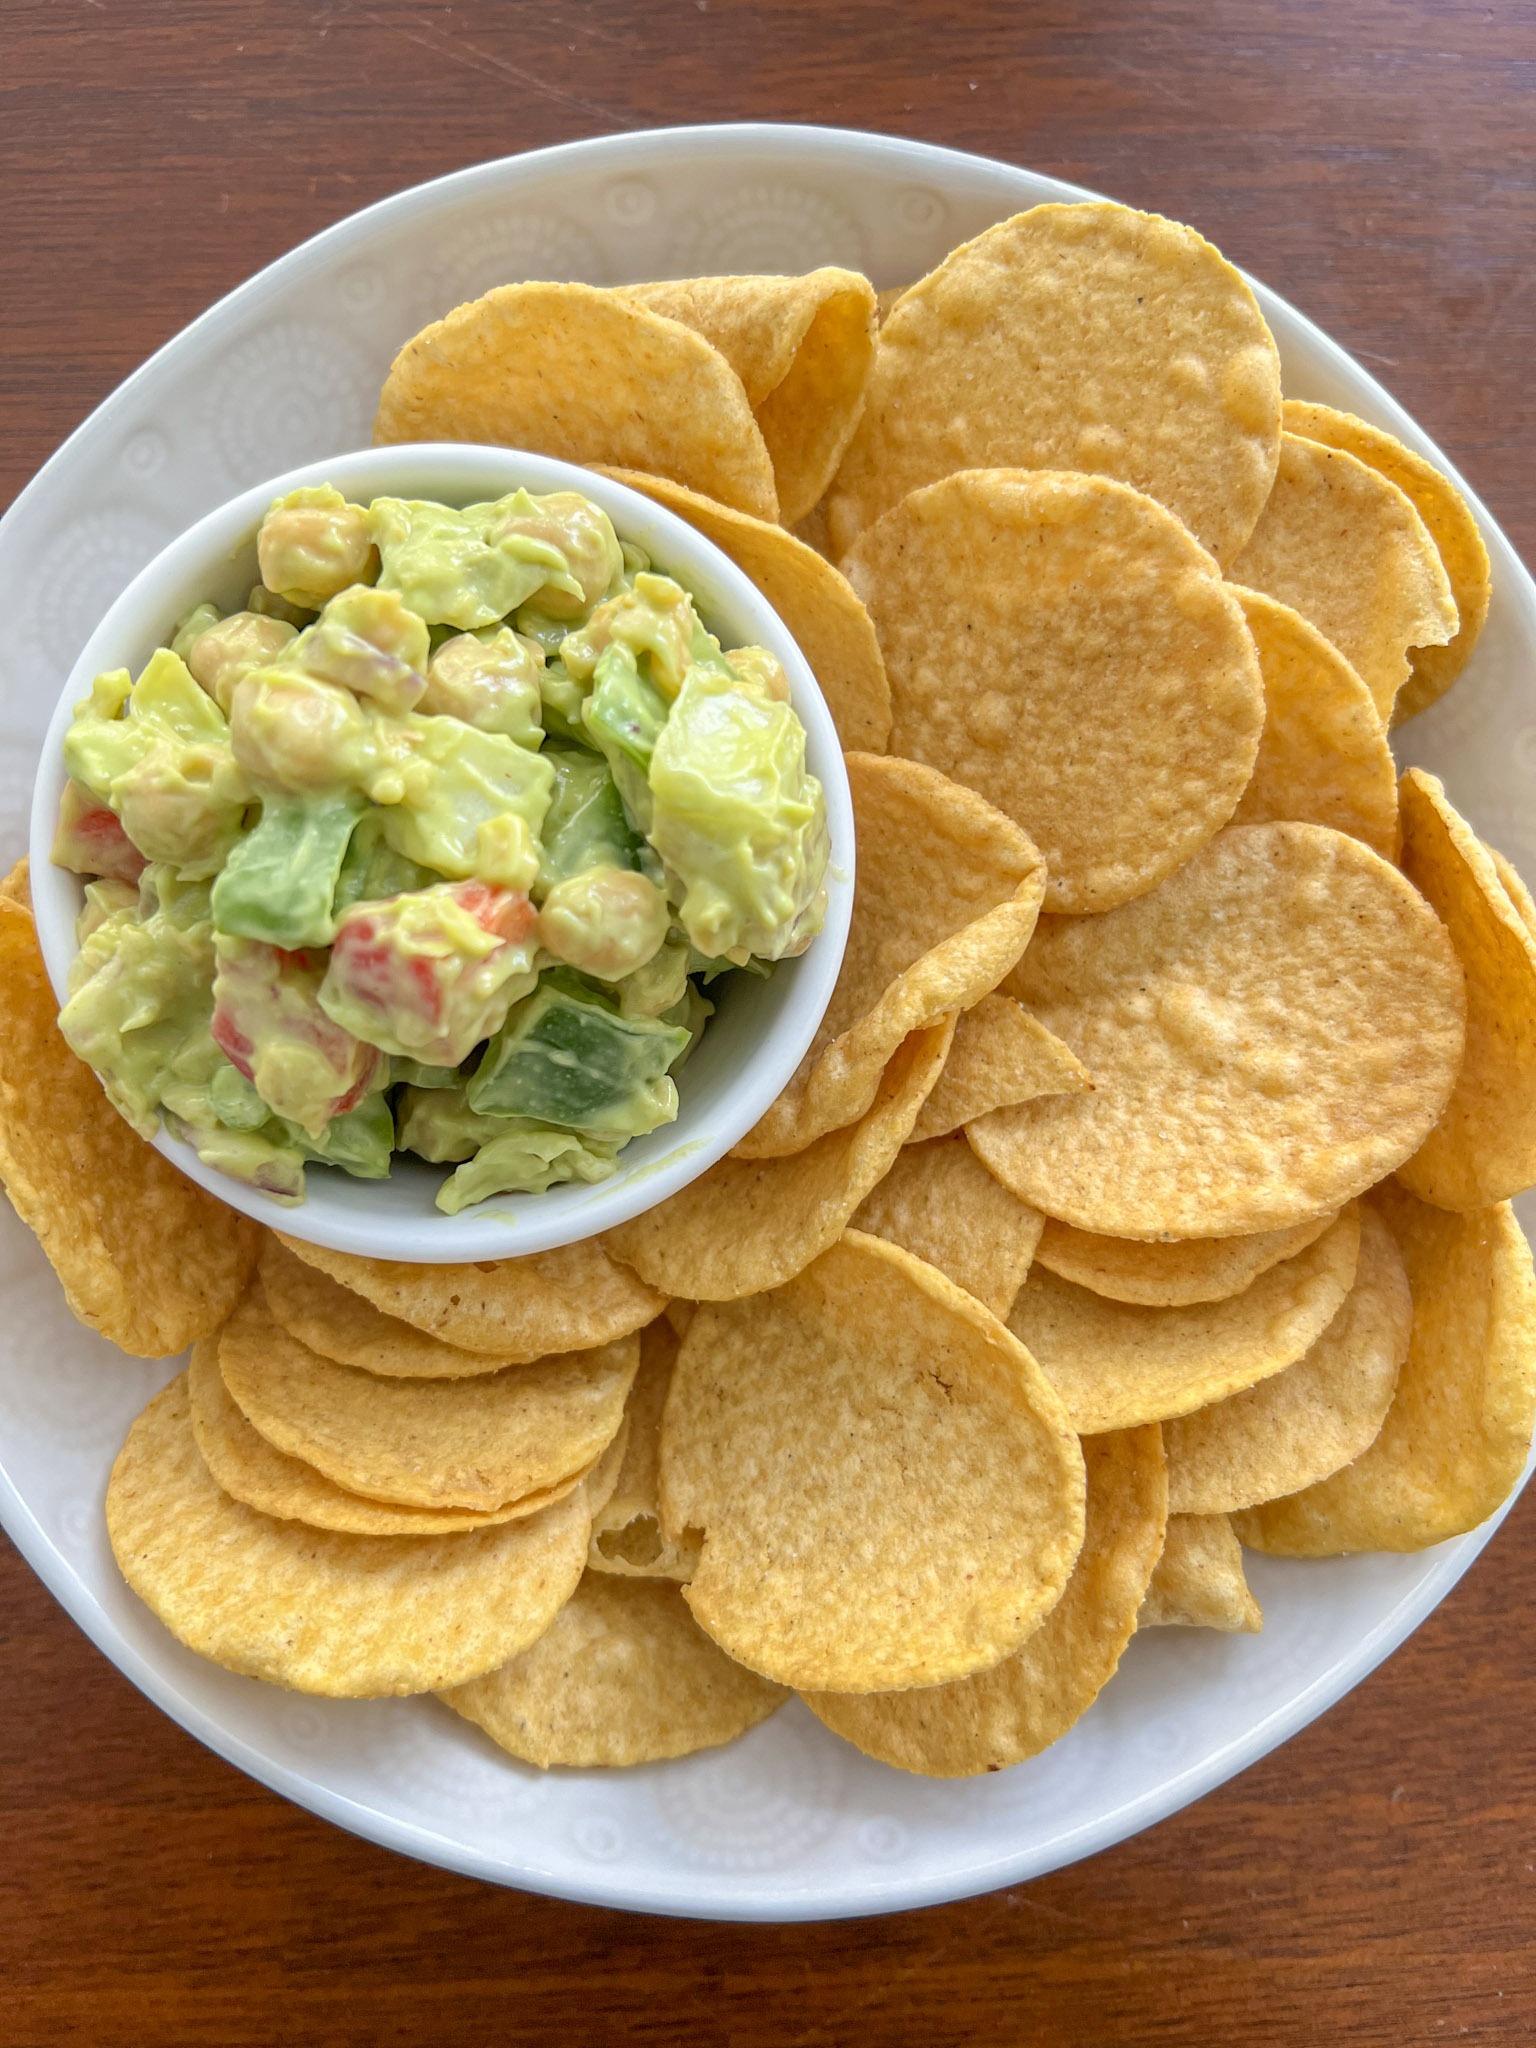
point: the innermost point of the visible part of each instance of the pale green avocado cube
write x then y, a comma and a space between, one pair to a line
565, 1057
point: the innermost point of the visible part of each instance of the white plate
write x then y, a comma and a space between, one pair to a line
789, 1823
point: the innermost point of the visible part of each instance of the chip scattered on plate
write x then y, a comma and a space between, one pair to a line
1145, 1191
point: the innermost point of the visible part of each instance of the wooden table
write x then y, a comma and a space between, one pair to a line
1375, 1881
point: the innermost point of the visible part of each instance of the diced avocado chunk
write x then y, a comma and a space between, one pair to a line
738, 822
158, 754
463, 568
585, 825
280, 881
566, 1057
499, 1154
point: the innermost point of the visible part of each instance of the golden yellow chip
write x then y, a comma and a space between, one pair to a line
829, 624
750, 1224
1315, 1417
1174, 1274
623, 1675
339, 1324
998, 1056
1343, 546
940, 1203
803, 348
1483, 1149
1116, 1364
468, 1443
1082, 337
1269, 1032
945, 899
1063, 646
353, 1617
585, 375
626, 1529
254, 1471
886, 301
1030, 1700
1199, 1581
1451, 526
510, 1310
144, 1256
1324, 756
1514, 888
679, 1315
17, 886
1458, 1432
856, 1447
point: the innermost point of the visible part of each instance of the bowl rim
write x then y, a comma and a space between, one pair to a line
340, 1213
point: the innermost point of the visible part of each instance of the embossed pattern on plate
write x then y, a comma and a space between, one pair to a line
788, 1823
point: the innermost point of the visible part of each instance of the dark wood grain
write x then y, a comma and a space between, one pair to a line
1373, 1882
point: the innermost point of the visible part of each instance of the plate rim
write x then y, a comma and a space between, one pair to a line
692, 1898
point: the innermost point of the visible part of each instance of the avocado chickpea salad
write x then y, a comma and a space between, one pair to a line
439, 846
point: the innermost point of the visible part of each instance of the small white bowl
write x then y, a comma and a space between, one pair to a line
760, 1030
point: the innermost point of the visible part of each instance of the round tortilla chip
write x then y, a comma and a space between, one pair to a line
1235, 1089
1175, 1274
829, 624
1061, 645
1451, 526
1116, 1365
352, 1617
468, 1443
998, 1056
254, 1471
857, 1447
940, 1203
803, 348
586, 375
622, 1675
945, 900
143, 1254
1483, 1149
1514, 887
1086, 337
1343, 546
1199, 1581
1458, 1431
626, 1529
1315, 1417
746, 1225
1030, 1700
1324, 757
17, 886
511, 1310
339, 1324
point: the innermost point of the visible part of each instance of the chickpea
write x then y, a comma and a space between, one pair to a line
373, 644
295, 732
313, 544
219, 657
760, 670
604, 921
492, 684
584, 535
